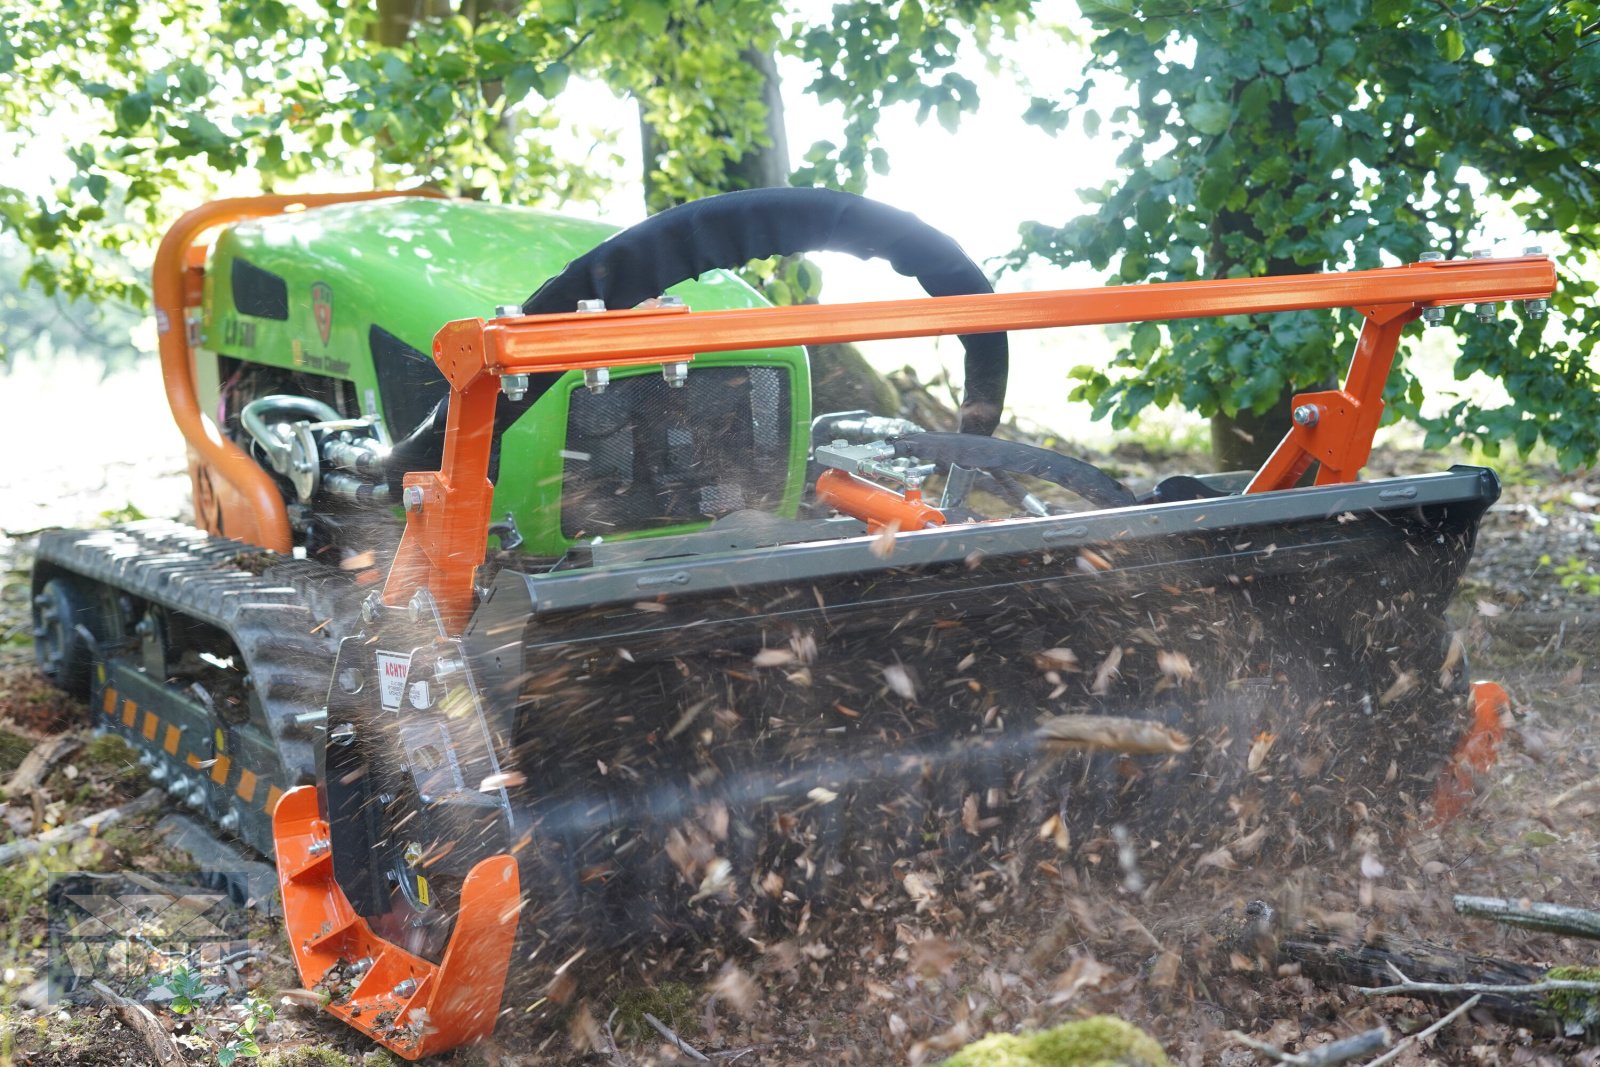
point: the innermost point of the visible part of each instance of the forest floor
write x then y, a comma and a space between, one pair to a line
908, 981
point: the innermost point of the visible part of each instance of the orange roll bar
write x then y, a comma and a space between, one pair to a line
262, 519
448, 510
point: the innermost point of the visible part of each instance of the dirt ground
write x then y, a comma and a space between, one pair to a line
903, 980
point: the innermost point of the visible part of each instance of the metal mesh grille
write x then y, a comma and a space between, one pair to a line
643, 454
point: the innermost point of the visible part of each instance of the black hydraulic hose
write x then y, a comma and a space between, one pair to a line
729, 230
987, 453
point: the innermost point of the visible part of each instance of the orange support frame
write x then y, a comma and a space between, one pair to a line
445, 537
220, 469
404, 1002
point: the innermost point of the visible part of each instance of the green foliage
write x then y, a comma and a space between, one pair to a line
1099, 1041
231, 1041
1577, 574
167, 101
1278, 137
187, 988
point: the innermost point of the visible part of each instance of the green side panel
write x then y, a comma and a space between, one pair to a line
408, 266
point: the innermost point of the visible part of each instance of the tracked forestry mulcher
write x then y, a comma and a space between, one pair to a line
515, 627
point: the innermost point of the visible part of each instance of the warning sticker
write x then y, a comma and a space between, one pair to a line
392, 670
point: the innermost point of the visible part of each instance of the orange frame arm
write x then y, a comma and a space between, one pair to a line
447, 529
266, 519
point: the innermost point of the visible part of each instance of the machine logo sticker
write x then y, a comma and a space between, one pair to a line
322, 309
392, 670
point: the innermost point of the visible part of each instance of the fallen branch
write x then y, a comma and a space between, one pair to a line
40, 761
147, 801
141, 1021
1335, 1052
1455, 1013
677, 1042
1329, 959
1546, 918
1554, 985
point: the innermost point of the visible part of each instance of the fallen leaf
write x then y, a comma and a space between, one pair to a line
1107, 671
1174, 665
1056, 659
1258, 750
1111, 733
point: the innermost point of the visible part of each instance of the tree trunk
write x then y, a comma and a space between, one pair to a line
1244, 441
841, 377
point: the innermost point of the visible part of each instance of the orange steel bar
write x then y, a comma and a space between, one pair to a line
447, 528
262, 519
521, 345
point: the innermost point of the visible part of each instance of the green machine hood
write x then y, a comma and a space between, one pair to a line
356, 292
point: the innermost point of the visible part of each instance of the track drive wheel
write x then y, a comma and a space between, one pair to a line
61, 615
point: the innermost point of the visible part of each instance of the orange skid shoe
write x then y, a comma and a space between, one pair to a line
411, 1006
1478, 750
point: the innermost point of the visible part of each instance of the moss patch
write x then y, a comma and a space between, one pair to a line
1577, 1009
672, 1002
13, 749
307, 1056
1101, 1041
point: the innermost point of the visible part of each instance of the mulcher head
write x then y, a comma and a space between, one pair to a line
885, 698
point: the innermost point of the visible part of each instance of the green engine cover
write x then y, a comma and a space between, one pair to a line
356, 291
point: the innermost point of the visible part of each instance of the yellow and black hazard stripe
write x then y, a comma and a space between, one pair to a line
143, 722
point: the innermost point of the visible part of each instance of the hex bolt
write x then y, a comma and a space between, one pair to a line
667, 300
319, 846
514, 386
361, 966
507, 311
413, 498
597, 378
417, 609
675, 374
1535, 309
405, 989
1307, 415
372, 607
343, 735
590, 306
1486, 312
1432, 316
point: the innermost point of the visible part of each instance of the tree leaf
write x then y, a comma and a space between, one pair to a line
1209, 117
1451, 46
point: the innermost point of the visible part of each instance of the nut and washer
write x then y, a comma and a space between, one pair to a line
413, 498
514, 386
1307, 415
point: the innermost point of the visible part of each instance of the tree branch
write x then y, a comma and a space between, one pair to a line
1547, 918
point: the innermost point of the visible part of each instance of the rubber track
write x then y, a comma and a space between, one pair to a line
284, 616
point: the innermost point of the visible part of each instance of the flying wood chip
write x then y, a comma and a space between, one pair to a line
1112, 733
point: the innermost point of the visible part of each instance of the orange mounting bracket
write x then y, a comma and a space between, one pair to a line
409, 1005
448, 521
